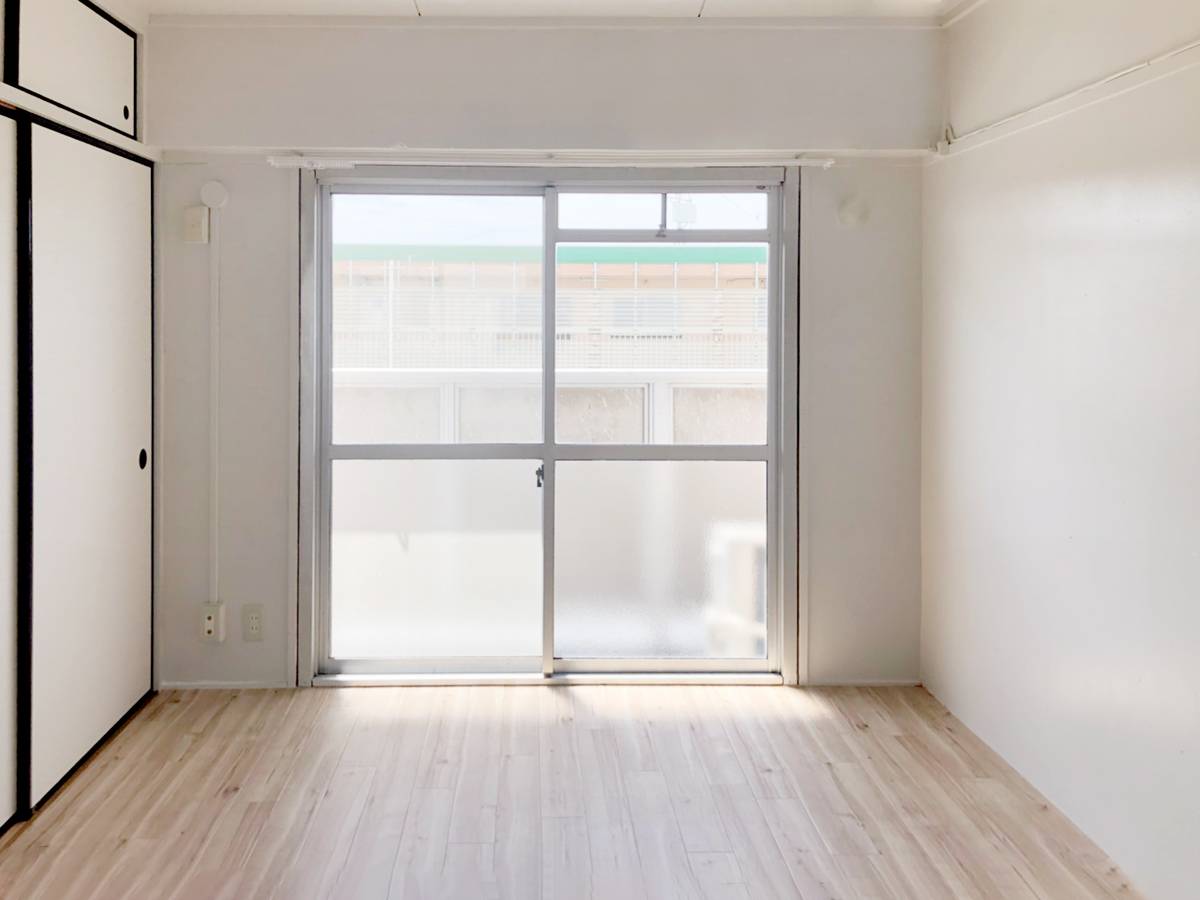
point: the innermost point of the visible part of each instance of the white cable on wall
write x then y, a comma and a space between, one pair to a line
214, 196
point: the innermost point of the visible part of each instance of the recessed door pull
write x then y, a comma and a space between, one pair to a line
142, 460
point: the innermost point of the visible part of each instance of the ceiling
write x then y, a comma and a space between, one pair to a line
683, 9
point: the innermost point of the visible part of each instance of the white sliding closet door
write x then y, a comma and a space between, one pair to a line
8, 467
91, 423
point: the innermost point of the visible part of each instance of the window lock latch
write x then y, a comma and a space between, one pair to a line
541, 475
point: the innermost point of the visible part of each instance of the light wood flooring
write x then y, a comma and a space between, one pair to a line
615, 793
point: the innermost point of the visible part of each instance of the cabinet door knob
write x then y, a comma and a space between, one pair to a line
142, 460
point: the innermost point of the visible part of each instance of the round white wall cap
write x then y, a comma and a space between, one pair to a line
214, 195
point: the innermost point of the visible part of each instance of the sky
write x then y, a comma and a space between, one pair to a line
517, 221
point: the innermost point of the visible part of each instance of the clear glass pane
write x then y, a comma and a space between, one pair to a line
733, 212
663, 317
436, 558
431, 293
610, 211
664, 560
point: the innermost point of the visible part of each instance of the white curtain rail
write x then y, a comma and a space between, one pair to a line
952, 138
540, 159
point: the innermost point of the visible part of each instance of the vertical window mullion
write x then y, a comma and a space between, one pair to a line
549, 381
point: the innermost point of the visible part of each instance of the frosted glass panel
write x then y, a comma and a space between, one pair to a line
586, 415
601, 415
436, 558
380, 414
435, 293
663, 317
731, 212
719, 415
500, 415
660, 560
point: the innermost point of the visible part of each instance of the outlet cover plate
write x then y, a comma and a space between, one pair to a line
212, 623
252, 622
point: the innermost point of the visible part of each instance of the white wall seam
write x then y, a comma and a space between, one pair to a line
960, 12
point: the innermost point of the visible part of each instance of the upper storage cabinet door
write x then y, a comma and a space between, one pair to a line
77, 56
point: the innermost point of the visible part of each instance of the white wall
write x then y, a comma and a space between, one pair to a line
1010, 55
635, 88
1061, 462
860, 420
685, 86
862, 382
258, 241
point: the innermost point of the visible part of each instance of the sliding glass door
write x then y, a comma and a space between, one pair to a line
495, 501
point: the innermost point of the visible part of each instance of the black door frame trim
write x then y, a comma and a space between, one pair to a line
24, 597
12, 62
25, 121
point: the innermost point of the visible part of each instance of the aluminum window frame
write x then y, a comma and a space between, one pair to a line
778, 453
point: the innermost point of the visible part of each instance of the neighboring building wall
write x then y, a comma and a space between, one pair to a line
1061, 473
643, 332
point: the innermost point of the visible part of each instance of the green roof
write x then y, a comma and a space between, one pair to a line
567, 253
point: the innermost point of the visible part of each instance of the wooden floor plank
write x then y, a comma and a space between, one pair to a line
754, 847
421, 857
473, 817
676, 749
566, 859
368, 868
562, 780
519, 793
616, 865
517, 857
666, 867
720, 876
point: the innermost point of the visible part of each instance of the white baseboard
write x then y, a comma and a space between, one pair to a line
221, 685
865, 683
359, 681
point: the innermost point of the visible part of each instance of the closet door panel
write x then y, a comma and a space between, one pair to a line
76, 56
91, 421
8, 467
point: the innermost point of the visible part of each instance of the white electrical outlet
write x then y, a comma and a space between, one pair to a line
252, 622
213, 623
